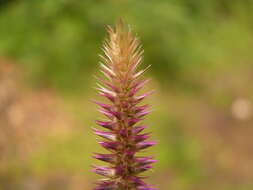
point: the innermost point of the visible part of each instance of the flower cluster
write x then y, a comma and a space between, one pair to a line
123, 136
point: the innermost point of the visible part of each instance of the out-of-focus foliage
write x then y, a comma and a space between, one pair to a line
58, 41
202, 66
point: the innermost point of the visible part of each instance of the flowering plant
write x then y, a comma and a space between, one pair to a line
122, 138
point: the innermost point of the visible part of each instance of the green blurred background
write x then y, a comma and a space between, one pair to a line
202, 71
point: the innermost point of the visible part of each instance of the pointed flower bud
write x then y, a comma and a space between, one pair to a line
106, 124
105, 157
143, 145
142, 137
144, 161
106, 135
108, 172
138, 129
143, 168
138, 109
110, 145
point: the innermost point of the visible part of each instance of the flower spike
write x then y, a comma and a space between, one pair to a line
120, 132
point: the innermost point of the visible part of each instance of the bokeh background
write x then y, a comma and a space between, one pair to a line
202, 71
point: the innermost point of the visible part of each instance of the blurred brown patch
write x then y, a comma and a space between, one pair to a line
221, 118
26, 116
